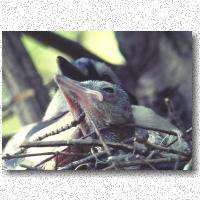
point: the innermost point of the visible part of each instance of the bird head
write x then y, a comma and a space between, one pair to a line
102, 102
87, 69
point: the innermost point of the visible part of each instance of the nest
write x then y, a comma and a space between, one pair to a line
138, 152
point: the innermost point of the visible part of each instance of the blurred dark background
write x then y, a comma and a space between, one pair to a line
151, 66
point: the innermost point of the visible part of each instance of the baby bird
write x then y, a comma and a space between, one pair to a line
104, 104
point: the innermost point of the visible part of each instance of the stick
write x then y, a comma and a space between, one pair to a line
69, 47
8, 156
63, 128
75, 142
153, 129
87, 159
28, 167
101, 139
142, 162
166, 149
173, 114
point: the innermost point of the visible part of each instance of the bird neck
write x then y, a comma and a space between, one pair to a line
112, 133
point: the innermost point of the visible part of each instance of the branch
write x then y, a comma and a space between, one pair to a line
69, 47
75, 142
152, 129
143, 162
173, 114
143, 139
44, 161
8, 156
28, 167
74, 123
101, 138
155, 146
84, 160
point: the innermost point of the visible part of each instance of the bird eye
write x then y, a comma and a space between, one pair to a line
108, 89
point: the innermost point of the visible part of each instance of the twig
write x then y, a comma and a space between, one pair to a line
172, 142
63, 153
149, 164
75, 142
144, 140
101, 138
28, 167
72, 154
176, 164
166, 149
9, 157
87, 165
142, 162
188, 130
63, 128
152, 153
44, 161
153, 129
173, 114
97, 160
56, 161
55, 132
84, 160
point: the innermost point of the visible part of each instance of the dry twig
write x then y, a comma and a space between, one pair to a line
75, 142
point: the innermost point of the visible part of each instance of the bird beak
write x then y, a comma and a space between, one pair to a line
68, 85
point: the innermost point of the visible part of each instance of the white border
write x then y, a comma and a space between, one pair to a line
105, 15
